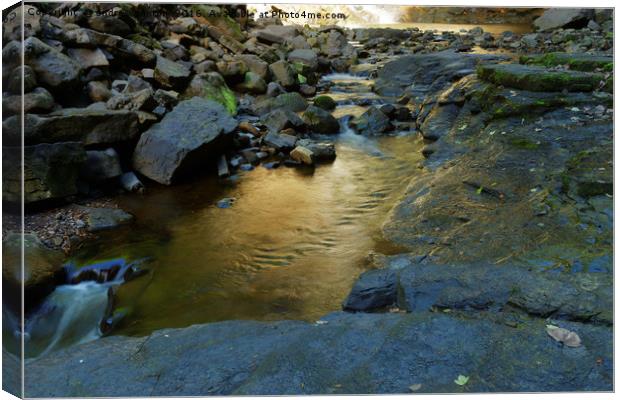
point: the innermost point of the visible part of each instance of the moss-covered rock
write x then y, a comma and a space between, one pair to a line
212, 86
575, 61
539, 79
325, 102
320, 121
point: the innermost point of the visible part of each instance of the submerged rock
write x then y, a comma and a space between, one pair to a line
178, 144
99, 218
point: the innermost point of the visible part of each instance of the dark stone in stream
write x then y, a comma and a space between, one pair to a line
374, 290
347, 354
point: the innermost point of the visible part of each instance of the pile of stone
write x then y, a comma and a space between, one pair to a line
103, 82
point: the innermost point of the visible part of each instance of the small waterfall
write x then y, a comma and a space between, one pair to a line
77, 312
70, 315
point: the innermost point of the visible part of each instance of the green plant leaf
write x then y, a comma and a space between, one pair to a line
479, 191
461, 380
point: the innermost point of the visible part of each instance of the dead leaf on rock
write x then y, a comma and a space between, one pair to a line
415, 387
569, 338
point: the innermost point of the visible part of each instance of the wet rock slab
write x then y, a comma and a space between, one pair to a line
345, 354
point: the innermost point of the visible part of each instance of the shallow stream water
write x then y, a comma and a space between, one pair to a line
290, 246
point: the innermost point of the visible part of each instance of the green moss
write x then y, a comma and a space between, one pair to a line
325, 102
301, 79
227, 98
540, 80
145, 40
577, 62
524, 144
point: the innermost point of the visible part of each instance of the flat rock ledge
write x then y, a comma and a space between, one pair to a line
344, 353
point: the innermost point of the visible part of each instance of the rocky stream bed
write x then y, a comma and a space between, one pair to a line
451, 192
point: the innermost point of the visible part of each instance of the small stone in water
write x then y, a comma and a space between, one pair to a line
226, 202
272, 165
246, 167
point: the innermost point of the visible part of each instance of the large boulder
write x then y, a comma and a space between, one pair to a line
320, 121
89, 126
193, 134
43, 269
52, 67
555, 18
212, 86
50, 171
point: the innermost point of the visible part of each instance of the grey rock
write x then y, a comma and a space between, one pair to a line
88, 58
25, 73
170, 74
274, 89
306, 57
98, 91
101, 165
371, 123
255, 64
177, 145
554, 18
37, 101
109, 24
292, 357
284, 75
101, 218
320, 121
90, 126
279, 141
130, 182
53, 68
42, 269
50, 171
374, 290
281, 119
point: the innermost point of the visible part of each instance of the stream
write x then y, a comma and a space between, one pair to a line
290, 246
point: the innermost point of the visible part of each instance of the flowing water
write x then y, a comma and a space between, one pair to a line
290, 246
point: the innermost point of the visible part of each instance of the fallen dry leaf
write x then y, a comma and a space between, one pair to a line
415, 387
569, 338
